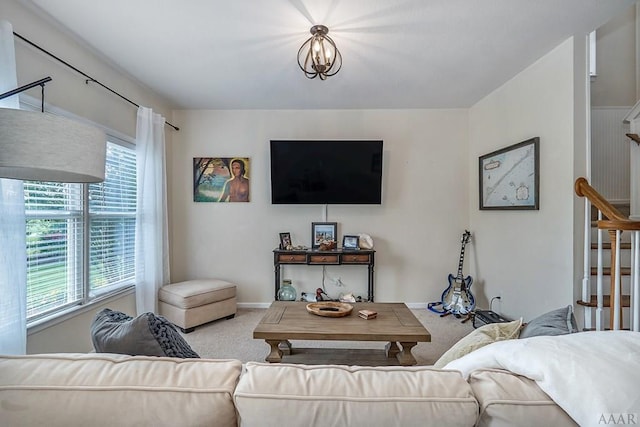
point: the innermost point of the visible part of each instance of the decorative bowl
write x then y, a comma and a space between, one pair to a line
330, 308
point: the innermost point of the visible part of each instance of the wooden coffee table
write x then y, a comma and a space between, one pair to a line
290, 320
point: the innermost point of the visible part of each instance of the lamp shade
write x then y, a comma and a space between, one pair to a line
38, 146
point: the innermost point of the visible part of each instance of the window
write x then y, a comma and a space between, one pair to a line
81, 237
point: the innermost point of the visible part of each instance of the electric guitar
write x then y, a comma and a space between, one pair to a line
457, 299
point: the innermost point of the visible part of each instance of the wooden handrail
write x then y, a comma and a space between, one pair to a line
624, 225
583, 189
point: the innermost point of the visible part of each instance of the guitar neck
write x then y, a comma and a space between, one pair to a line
460, 263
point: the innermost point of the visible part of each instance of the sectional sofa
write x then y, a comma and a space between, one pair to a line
119, 390
586, 378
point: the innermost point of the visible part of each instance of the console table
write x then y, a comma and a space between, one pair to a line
317, 257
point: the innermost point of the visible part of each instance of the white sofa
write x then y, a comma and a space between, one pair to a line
118, 390
589, 377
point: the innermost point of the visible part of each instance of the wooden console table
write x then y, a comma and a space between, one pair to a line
316, 257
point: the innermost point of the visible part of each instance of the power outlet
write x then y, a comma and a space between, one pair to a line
498, 298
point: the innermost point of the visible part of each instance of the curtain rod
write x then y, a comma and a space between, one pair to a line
89, 78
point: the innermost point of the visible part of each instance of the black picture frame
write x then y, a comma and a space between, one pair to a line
509, 178
350, 242
323, 231
285, 240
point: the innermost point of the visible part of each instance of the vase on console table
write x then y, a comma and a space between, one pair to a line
287, 292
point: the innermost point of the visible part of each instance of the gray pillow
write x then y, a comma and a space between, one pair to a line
147, 334
556, 322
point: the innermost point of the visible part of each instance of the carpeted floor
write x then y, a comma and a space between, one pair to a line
233, 338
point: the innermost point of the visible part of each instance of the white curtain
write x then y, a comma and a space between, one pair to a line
13, 254
152, 241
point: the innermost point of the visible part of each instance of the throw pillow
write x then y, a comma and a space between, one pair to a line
480, 337
556, 322
147, 334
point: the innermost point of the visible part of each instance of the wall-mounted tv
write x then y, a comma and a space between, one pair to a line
326, 172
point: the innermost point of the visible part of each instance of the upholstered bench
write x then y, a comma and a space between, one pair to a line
195, 302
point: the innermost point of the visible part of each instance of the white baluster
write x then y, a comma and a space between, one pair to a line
586, 276
617, 286
635, 287
599, 288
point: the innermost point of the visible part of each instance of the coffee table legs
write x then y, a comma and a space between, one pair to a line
275, 355
404, 356
391, 349
402, 353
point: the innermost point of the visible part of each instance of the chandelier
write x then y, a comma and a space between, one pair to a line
319, 56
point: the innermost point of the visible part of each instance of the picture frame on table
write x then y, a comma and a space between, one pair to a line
323, 232
285, 240
350, 242
509, 178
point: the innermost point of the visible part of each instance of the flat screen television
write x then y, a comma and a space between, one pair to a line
326, 172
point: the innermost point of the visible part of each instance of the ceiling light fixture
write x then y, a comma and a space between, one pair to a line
37, 146
319, 56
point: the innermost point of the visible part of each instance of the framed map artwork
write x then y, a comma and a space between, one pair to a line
509, 178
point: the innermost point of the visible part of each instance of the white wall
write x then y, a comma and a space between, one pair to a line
526, 257
616, 62
416, 230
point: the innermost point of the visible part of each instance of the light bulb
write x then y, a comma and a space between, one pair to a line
327, 54
316, 45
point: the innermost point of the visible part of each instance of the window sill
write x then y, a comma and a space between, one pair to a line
74, 311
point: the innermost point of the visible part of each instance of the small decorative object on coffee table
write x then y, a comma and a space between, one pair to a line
368, 314
330, 308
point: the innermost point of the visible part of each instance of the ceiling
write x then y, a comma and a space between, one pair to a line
241, 54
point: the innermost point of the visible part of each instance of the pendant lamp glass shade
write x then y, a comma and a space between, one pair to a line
38, 146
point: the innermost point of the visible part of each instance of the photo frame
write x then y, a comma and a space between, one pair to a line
285, 240
509, 179
322, 232
350, 242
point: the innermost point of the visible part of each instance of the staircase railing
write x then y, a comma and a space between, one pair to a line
614, 223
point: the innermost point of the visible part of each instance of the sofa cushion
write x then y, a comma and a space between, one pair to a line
480, 337
147, 334
507, 399
333, 395
556, 322
116, 390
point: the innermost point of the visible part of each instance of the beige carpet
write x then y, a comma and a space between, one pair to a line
233, 338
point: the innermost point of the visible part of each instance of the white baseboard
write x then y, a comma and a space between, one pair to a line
413, 305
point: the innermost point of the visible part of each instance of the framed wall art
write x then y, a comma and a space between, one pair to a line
221, 179
323, 232
510, 178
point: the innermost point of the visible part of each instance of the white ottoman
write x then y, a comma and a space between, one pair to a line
195, 302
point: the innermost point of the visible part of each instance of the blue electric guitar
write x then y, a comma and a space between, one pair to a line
457, 299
